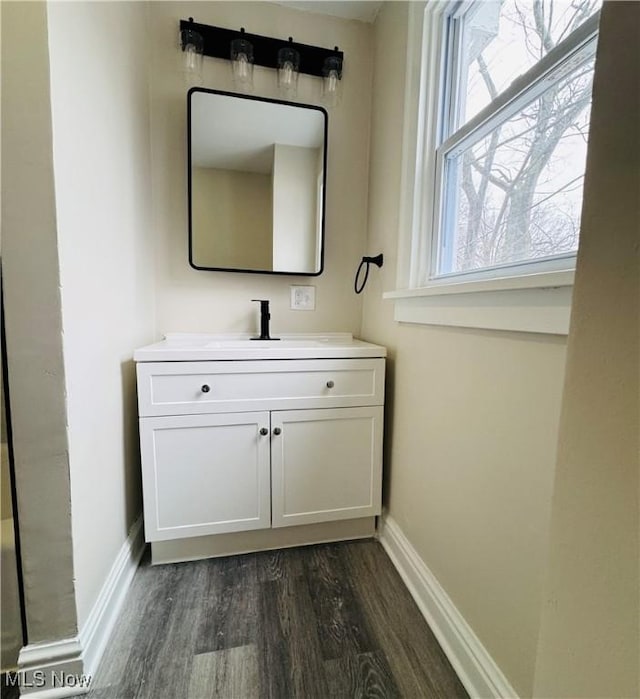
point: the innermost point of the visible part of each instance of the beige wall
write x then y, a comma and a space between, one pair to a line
34, 324
99, 105
191, 300
232, 220
472, 420
295, 202
589, 638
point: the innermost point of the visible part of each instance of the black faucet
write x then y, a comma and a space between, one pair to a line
264, 320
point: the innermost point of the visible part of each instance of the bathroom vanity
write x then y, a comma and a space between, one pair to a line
250, 445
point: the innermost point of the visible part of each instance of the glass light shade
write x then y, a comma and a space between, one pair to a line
242, 64
192, 45
331, 80
288, 71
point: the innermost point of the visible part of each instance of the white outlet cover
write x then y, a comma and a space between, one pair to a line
303, 298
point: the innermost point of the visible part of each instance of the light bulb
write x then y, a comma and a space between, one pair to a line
332, 78
190, 58
288, 67
192, 45
242, 62
331, 82
242, 67
286, 76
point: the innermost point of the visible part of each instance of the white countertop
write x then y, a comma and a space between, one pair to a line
192, 347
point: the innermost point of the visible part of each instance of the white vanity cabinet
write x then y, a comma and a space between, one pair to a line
325, 464
239, 445
205, 474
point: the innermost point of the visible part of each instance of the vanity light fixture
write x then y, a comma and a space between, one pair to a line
242, 62
289, 58
192, 45
288, 70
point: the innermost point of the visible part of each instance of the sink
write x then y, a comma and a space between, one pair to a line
183, 347
266, 344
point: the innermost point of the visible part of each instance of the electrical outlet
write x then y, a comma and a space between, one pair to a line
303, 298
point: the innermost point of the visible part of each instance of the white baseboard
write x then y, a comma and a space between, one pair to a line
102, 618
55, 669
64, 668
472, 662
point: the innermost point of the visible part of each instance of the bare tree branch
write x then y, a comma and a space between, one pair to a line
504, 212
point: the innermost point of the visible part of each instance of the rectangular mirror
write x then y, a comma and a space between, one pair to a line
257, 170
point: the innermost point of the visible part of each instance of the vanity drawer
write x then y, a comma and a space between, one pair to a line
186, 388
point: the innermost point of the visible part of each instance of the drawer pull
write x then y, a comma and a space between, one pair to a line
330, 384
205, 388
276, 430
264, 431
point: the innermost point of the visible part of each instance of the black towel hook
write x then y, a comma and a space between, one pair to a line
377, 261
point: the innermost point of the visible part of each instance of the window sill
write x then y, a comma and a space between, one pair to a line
537, 303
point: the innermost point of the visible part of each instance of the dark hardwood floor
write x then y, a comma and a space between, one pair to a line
333, 620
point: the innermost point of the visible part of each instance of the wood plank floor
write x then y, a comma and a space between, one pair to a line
333, 620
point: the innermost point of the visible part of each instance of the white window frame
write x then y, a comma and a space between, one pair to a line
533, 297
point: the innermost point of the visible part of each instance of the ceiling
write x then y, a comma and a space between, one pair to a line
235, 133
362, 10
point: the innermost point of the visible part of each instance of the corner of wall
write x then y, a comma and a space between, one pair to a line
33, 325
66, 667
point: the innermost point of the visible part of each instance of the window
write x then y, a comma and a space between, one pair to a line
515, 121
497, 110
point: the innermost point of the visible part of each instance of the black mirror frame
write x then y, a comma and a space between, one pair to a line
189, 182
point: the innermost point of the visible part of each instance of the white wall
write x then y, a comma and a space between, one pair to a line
33, 324
589, 637
295, 191
99, 105
472, 420
191, 300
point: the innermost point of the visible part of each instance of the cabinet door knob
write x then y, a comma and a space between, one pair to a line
276, 430
264, 431
205, 388
330, 384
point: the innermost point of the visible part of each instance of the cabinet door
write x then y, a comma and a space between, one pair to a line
326, 465
205, 474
